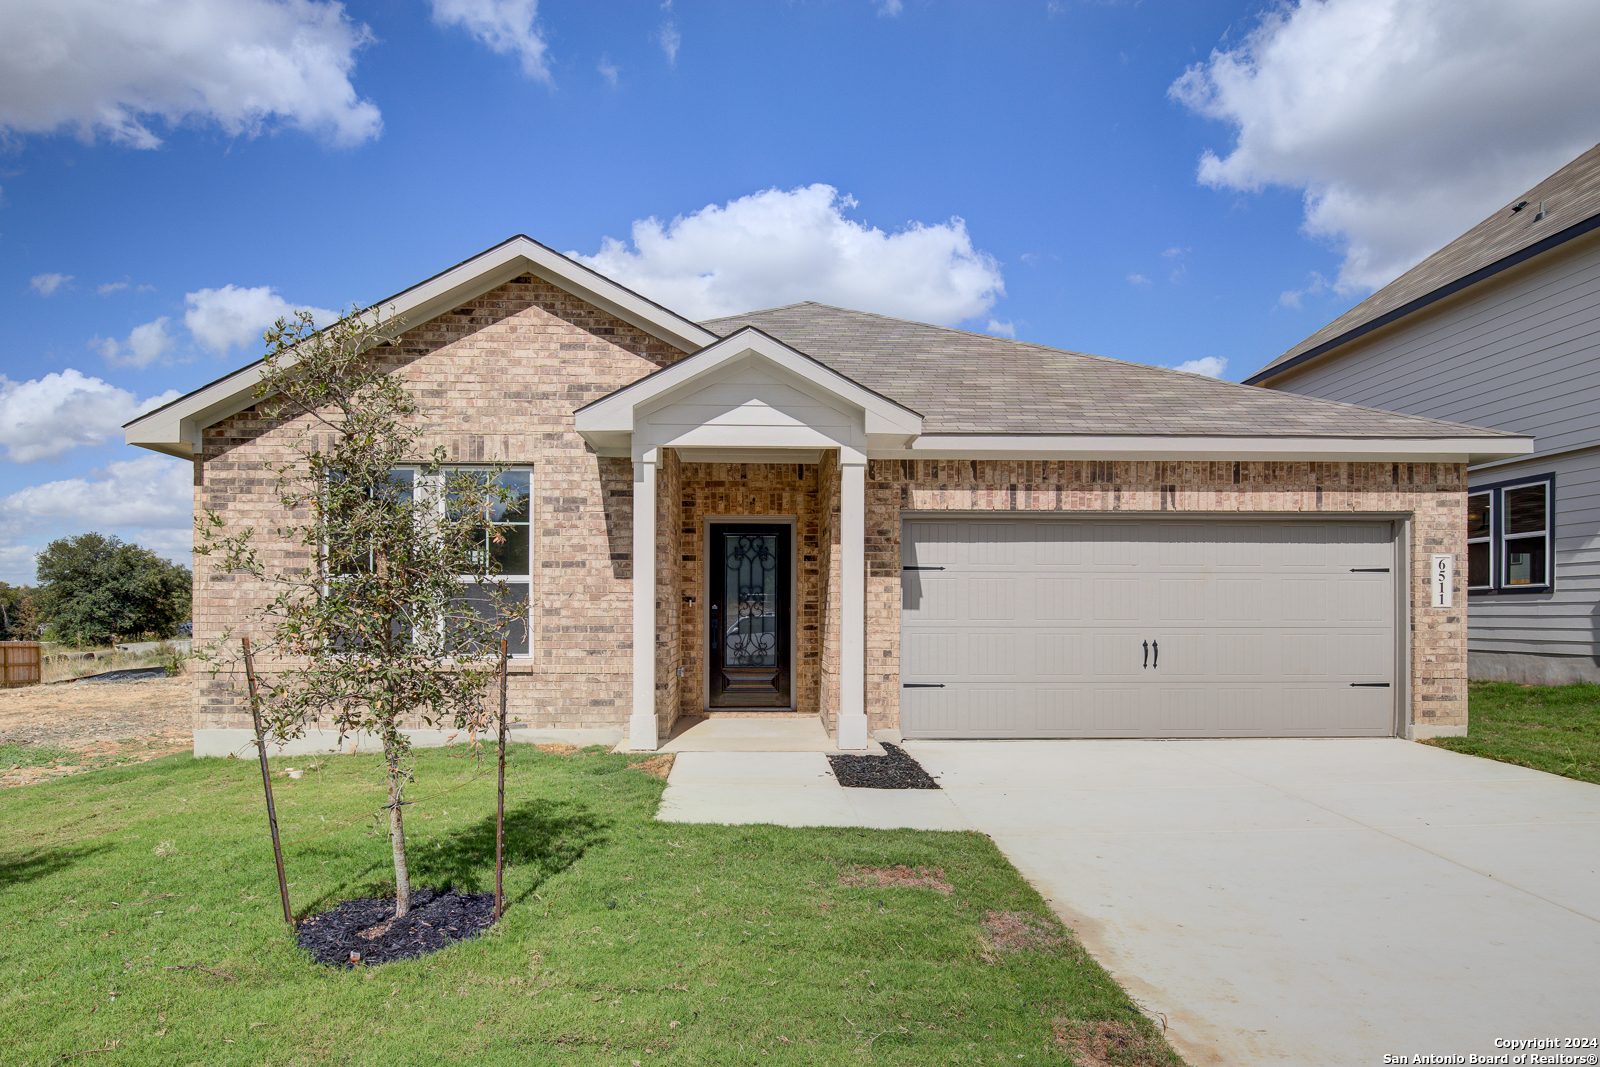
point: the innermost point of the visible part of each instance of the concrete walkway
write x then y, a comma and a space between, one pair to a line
1307, 902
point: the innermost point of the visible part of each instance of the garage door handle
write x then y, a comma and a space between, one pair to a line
1146, 664
921, 685
1155, 658
1369, 685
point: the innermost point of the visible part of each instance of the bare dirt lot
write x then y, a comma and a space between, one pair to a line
100, 724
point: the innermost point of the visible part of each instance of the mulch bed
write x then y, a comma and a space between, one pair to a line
130, 674
368, 928
896, 770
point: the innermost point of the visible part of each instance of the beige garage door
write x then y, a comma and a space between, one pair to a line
1016, 627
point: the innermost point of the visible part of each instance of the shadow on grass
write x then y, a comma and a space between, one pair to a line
548, 836
18, 868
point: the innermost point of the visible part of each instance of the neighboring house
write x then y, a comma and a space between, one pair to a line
889, 525
1500, 328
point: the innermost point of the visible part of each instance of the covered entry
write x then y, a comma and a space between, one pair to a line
1144, 627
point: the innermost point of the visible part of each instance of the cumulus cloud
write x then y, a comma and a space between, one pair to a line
890, 8
1003, 329
1403, 121
1210, 366
45, 284
113, 69
45, 417
1138, 279
150, 491
233, 317
609, 71
779, 247
508, 27
145, 345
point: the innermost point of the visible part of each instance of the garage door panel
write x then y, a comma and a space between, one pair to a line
1038, 628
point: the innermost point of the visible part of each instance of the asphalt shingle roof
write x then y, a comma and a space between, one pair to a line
1569, 197
972, 383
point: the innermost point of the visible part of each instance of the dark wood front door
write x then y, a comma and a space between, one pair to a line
750, 615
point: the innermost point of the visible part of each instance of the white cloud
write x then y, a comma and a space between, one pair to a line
111, 287
1210, 366
233, 317
1290, 298
670, 39
1404, 121
890, 8
46, 284
1004, 329
154, 491
113, 69
609, 71
17, 563
145, 345
1138, 279
45, 417
506, 26
778, 247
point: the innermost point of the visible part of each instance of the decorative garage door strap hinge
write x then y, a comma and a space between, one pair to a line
1369, 685
921, 685
914, 567
1369, 570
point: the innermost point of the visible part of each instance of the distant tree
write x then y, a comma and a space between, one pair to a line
397, 616
14, 624
95, 589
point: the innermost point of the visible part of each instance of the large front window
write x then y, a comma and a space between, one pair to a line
1510, 527
506, 541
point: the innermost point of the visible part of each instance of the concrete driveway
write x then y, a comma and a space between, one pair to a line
1308, 902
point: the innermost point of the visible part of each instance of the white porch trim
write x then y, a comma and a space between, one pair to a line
642, 733
852, 600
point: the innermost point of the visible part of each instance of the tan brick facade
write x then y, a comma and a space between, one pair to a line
499, 379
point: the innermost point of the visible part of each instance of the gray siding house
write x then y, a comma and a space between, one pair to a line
1500, 328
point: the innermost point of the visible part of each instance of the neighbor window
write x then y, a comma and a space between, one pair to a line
1509, 536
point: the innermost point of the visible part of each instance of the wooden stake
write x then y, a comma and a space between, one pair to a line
266, 781
500, 809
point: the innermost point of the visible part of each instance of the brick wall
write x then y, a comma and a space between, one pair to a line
498, 378
1432, 493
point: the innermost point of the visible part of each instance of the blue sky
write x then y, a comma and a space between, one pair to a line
1183, 183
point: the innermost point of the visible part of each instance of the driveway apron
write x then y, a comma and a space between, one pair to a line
1317, 902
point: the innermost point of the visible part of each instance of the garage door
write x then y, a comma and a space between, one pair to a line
1147, 628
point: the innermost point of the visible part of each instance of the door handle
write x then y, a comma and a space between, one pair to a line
716, 630
1146, 664
1155, 658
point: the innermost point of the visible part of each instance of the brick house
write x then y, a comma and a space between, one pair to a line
893, 526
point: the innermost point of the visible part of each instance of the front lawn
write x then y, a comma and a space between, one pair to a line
1548, 728
141, 925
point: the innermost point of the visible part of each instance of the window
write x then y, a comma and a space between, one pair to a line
509, 550
1509, 530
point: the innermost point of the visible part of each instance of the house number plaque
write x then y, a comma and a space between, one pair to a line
1444, 581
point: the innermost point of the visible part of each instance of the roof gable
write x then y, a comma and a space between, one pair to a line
175, 428
1564, 206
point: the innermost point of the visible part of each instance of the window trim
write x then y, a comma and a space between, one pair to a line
1498, 537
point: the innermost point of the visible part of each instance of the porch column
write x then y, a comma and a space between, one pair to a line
852, 599
642, 725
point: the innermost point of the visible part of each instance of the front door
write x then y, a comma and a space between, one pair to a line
750, 617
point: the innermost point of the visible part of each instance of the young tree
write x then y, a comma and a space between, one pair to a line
94, 589
397, 616
14, 626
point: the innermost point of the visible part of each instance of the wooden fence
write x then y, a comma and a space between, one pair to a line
19, 663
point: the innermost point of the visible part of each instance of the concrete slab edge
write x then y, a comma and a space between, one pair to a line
1423, 733
229, 742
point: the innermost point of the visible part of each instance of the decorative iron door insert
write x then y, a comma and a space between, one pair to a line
750, 616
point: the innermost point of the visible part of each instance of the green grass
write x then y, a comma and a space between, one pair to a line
1548, 728
16, 754
626, 940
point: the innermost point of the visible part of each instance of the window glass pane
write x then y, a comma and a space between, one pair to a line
516, 484
1479, 567
1478, 515
480, 601
1525, 508
510, 553
1524, 561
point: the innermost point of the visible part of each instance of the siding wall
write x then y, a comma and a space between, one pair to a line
1521, 353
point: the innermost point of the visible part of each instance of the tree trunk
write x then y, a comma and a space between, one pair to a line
397, 834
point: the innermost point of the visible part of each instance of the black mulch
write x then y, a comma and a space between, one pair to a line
130, 674
897, 770
368, 927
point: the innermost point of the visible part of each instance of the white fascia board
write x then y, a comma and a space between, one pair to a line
1154, 447
175, 429
615, 414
